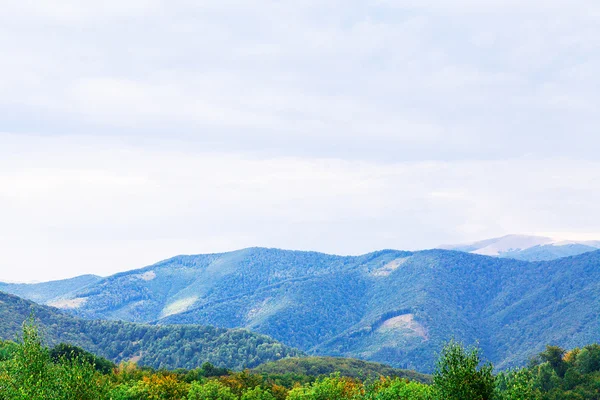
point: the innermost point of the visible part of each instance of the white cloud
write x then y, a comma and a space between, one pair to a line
90, 205
328, 125
338, 79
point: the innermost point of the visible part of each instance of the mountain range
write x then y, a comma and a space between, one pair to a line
389, 306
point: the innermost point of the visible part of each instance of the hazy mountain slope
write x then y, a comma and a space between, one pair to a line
497, 246
158, 346
549, 252
389, 306
47, 292
526, 247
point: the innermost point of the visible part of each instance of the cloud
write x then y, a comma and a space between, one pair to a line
152, 127
99, 205
359, 80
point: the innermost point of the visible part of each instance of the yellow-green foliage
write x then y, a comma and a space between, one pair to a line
330, 388
399, 389
31, 375
211, 390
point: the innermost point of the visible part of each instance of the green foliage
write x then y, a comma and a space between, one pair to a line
206, 371
588, 359
516, 385
553, 355
257, 393
158, 387
211, 390
568, 375
31, 374
66, 352
399, 389
459, 375
330, 388
7, 349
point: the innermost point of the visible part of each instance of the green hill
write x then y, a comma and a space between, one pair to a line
325, 366
390, 306
156, 346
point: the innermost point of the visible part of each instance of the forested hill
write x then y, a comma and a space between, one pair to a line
157, 346
348, 367
390, 306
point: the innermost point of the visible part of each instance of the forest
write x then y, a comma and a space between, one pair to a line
29, 370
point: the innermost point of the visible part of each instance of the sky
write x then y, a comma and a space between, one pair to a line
135, 130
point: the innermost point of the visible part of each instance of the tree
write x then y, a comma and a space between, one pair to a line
67, 352
398, 389
554, 356
330, 388
257, 394
459, 375
588, 359
516, 385
31, 374
211, 390
157, 386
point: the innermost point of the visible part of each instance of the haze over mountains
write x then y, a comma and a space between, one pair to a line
527, 247
389, 306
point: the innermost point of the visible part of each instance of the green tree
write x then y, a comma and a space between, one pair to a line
459, 374
516, 385
588, 359
211, 390
27, 375
554, 356
69, 352
31, 374
257, 394
330, 388
399, 389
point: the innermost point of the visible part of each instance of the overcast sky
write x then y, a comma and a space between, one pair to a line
135, 130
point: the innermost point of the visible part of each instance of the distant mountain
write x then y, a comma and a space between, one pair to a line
157, 346
390, 306
526, 247
49, 292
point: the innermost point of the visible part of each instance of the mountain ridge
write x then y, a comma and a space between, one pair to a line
390, 306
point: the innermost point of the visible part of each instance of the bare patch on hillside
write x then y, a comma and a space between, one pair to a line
404, 322
390, 267
147, 276
136, 358
69, 304
264, 309
179, 306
